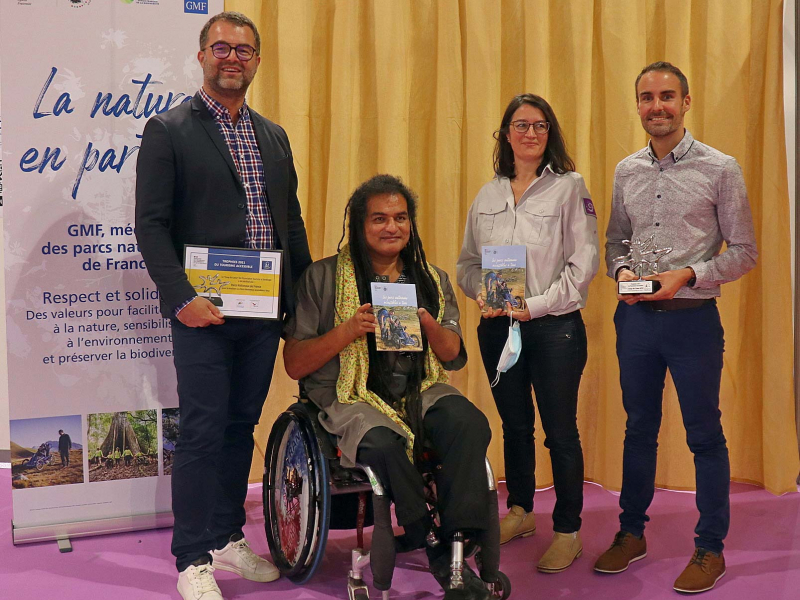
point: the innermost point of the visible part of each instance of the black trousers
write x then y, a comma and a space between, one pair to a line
552, 361
224, 372
460, 435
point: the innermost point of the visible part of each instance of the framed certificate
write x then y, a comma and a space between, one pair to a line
242, 282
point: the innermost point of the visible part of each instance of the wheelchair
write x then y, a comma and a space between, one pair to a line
307, 492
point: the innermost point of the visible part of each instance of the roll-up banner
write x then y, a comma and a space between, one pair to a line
90, 376
1, 148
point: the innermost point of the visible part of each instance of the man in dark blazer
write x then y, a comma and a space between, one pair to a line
214, 172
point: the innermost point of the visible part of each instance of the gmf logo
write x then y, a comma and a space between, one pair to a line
195, 6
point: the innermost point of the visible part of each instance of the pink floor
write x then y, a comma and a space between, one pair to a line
763, 557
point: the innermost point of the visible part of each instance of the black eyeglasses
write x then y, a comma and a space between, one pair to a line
223, 50
540, 127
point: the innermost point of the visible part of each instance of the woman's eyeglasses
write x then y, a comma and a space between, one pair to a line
540, 127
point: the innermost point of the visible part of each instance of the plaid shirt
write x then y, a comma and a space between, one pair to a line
242, 144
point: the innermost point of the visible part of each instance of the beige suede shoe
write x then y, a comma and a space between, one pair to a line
517, 523
564, 549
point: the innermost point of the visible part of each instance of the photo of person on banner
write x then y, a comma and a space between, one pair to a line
214, 172
64, 446
43, 454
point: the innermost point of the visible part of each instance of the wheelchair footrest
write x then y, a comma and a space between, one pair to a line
357, 589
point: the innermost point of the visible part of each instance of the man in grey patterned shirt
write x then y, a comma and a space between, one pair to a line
681, 194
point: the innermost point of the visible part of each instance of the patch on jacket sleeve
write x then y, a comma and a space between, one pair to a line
588, 207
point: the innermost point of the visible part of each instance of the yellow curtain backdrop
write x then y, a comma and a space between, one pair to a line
416, 88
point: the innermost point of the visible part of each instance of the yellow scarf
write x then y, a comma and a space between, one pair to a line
351, 386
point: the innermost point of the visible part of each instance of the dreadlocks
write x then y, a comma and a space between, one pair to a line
415, 267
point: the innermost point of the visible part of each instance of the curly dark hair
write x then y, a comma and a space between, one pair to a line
415, 267
555, 154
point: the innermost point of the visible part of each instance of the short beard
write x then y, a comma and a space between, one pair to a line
225, 85
661, 130
229, 84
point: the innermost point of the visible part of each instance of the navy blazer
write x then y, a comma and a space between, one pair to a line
189, 192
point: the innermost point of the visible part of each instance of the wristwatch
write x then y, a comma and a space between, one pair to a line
693, 280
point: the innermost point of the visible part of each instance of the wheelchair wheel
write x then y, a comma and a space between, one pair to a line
502, 588
296, 496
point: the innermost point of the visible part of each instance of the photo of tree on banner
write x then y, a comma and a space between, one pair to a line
46, 451
122, 445
170, 419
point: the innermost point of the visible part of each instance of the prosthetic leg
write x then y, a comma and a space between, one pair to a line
463, 583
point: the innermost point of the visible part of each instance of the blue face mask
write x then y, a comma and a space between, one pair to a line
511, 351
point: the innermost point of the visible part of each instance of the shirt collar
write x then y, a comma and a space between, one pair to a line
678, 152
217, 110
548, 167
506, 183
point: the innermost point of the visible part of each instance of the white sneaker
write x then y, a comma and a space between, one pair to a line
198, 583
237, 558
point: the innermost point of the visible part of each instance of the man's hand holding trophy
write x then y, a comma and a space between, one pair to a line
638, 277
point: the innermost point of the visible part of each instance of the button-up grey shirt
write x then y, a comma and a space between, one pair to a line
555, 220
690, 200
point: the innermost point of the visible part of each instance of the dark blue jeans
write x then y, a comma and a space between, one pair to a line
690, 344
552, 361
224, 372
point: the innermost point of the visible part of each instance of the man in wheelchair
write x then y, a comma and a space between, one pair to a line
43, 451
386, 407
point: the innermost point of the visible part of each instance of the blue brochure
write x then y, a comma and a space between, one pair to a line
503, 276
395, 308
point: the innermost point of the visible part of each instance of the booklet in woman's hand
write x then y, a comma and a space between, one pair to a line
503, 276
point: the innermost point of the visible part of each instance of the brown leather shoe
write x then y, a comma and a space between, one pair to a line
702, 573
563, 550
625, 549
517, 523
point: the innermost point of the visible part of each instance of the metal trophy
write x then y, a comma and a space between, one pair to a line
642, 258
